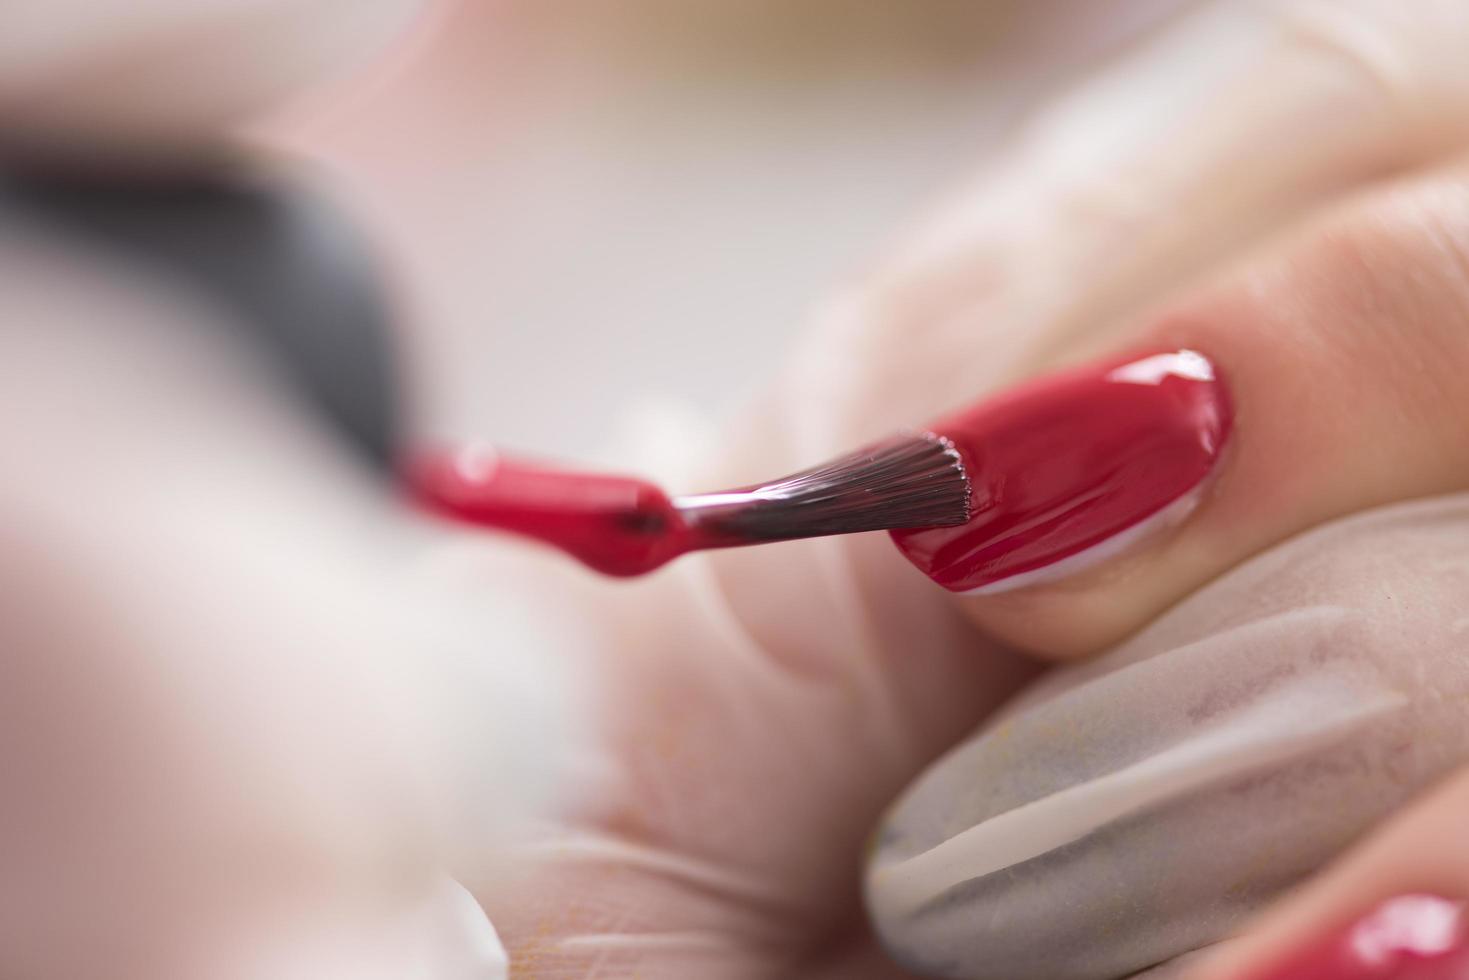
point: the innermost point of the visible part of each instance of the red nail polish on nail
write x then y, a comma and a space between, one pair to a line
1411, 937
1069, 469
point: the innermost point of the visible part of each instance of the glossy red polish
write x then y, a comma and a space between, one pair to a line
1067, 469
1411, 937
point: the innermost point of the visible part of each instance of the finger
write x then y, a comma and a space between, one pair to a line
1328, 380
1040, 253
1392, 909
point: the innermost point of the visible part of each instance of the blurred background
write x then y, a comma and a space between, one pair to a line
596, 208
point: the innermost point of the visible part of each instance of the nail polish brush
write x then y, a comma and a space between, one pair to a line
625, 526
1033, 482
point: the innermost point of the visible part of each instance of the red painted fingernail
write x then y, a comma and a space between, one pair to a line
1411, 937
1068, 470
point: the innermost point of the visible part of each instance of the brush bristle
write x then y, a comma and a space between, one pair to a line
913, 480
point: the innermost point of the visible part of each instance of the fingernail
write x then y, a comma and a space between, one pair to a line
1069, 470
1411, 937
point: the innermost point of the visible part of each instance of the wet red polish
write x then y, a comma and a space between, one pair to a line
1069, 463
1411, 937
616, 525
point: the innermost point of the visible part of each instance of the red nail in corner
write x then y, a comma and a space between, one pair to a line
1411, 937
1064, 467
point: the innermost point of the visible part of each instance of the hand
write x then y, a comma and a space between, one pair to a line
763, 707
